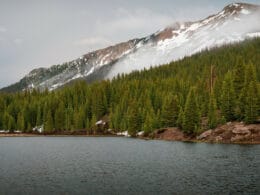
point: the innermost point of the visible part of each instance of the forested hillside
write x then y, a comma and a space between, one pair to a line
195, 94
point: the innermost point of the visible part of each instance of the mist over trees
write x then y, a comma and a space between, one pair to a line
211, 87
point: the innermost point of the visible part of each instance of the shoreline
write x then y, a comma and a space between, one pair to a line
200, 141
138, 137
229, 133
52, 135
207, 142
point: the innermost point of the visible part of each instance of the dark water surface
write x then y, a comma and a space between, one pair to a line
89, 165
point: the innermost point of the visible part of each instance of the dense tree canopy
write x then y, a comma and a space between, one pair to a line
218, 85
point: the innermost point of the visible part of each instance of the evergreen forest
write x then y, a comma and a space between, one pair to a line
195, 94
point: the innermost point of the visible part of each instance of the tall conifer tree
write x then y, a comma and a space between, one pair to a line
228, 98
191, 115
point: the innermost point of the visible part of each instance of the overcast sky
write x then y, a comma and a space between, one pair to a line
41, 33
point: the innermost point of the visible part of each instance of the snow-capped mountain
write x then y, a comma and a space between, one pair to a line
235, 22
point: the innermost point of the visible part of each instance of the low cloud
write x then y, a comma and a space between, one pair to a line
186, 44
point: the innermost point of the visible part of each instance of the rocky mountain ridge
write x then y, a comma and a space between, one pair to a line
169, 44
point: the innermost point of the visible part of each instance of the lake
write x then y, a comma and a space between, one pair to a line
115, 165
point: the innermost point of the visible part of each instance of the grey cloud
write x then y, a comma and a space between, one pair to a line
139, 21
2, 29
93, 42
18, 41
35, 33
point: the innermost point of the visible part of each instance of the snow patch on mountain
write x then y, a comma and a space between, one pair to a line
234, 23
252, 35
90, 71
245, 11
211, 32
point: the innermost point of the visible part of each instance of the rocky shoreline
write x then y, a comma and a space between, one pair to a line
229, 133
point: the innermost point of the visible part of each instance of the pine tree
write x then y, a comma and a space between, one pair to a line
48, 126
39, 116
116, 118
11, 123
251, 104
169, 114
123, 124
59, 117
258, 101
5, 120
157, 121
68, 117
150, 122
250, 78
134, 119
1, 120
239, 75
87, 125
29, 127
20, 122
45, 112
191, 116
79, 118
250, 74
228, 98
180, 118
147, 126
212, 111
98, 104
93, 124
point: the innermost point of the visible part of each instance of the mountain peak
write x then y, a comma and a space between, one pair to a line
238, 7
169, 44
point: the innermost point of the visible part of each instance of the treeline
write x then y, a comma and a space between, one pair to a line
195, 94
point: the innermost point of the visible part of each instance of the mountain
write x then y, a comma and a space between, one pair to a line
234, 23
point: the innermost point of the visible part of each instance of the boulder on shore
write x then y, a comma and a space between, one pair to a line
240, 129
204, 135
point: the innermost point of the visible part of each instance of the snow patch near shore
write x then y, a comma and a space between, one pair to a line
140, 133
124, 133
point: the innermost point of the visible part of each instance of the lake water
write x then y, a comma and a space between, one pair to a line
107, 165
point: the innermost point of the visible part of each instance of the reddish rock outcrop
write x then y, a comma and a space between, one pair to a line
171, 134
231, 132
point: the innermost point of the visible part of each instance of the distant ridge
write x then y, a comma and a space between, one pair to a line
169, 44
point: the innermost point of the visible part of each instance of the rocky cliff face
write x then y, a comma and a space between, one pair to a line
235, 22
